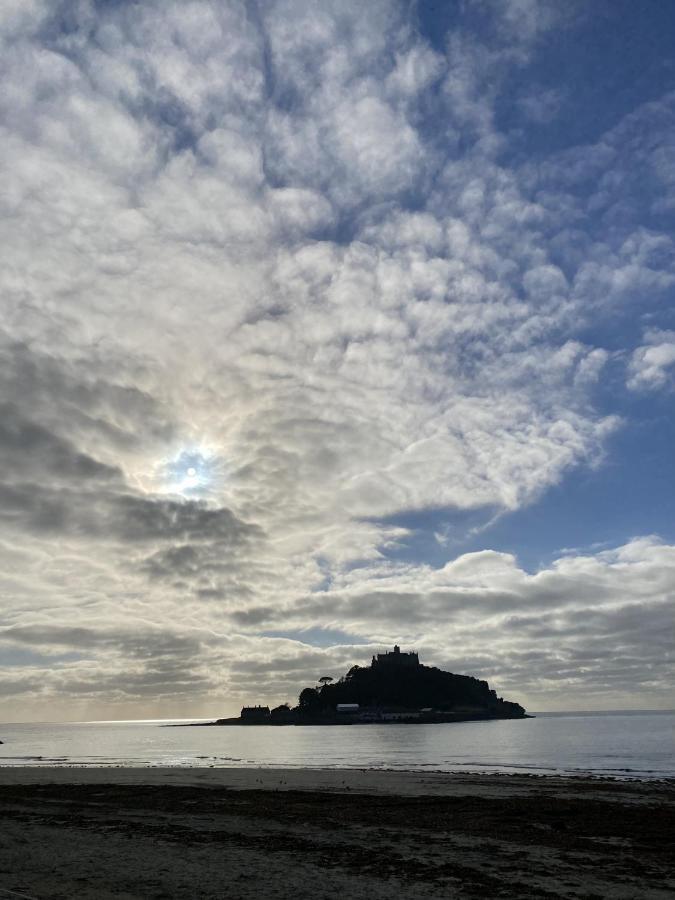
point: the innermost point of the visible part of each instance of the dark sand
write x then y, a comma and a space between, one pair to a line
218, 833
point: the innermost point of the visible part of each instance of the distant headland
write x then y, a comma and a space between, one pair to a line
396, 687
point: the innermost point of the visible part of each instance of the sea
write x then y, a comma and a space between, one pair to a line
639, 745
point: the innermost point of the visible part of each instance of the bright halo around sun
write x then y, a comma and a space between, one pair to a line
191, 473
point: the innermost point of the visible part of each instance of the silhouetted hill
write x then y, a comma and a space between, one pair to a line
388, 683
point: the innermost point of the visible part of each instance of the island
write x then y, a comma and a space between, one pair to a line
395, 688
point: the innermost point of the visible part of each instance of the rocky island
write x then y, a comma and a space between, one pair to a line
396, 687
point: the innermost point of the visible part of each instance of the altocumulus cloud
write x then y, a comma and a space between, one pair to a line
303, 240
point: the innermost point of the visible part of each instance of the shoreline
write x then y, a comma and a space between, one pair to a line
132, 833
312, 778
343, 721
219, 772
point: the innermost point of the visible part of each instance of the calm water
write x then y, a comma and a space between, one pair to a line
625, 745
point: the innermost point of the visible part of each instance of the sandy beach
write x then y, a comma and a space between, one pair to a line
280, 833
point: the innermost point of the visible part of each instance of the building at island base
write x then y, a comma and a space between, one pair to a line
373, 713
255, 715
353, 713
380, 713
347, 709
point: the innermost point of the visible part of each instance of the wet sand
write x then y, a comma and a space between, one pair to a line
245, 833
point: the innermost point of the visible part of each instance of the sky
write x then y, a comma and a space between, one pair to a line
330, 325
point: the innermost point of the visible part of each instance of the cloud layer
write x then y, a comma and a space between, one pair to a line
275, 277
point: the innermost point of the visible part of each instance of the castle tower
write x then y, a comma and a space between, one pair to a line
396, 658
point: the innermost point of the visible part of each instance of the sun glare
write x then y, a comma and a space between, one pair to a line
191, 472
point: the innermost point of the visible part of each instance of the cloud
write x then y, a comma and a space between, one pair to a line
596, 625
651, 364
541, 105
526, 21
340, 120
48, 484
25, 444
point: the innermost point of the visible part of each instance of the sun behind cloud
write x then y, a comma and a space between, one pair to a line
193, 472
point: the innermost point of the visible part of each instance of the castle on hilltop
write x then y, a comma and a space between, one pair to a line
396, 658
396, 687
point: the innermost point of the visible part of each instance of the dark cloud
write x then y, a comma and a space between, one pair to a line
29, 448
118, 517
82, 397
138, 518
255, 616
53, 635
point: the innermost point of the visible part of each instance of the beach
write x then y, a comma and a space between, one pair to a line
127, 833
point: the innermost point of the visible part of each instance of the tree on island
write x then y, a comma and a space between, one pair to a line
309, 701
